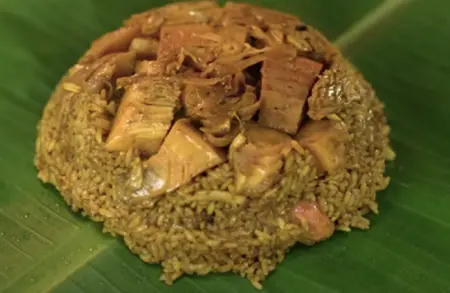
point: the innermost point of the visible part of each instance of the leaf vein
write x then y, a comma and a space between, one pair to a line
98, 273
412, 210
50, 211
133, 271
195, 284
298, 277
17, 248
59, 278
418, 267
27, 228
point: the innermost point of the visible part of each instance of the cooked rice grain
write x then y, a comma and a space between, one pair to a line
204, 226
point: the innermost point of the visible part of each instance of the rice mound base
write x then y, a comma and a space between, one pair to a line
213, 139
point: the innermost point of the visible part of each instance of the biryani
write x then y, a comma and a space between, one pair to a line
213, 139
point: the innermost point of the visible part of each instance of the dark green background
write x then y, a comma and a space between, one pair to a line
401, 46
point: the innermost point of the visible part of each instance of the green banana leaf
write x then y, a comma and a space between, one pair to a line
400, 46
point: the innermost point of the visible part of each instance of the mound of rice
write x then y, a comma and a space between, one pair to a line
100, 159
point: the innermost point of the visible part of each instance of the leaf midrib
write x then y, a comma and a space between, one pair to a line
374, 18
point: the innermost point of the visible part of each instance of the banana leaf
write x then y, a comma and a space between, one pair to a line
400, 46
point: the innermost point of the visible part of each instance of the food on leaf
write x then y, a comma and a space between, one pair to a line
213, 139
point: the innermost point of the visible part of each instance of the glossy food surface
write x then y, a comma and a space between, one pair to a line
405, 250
